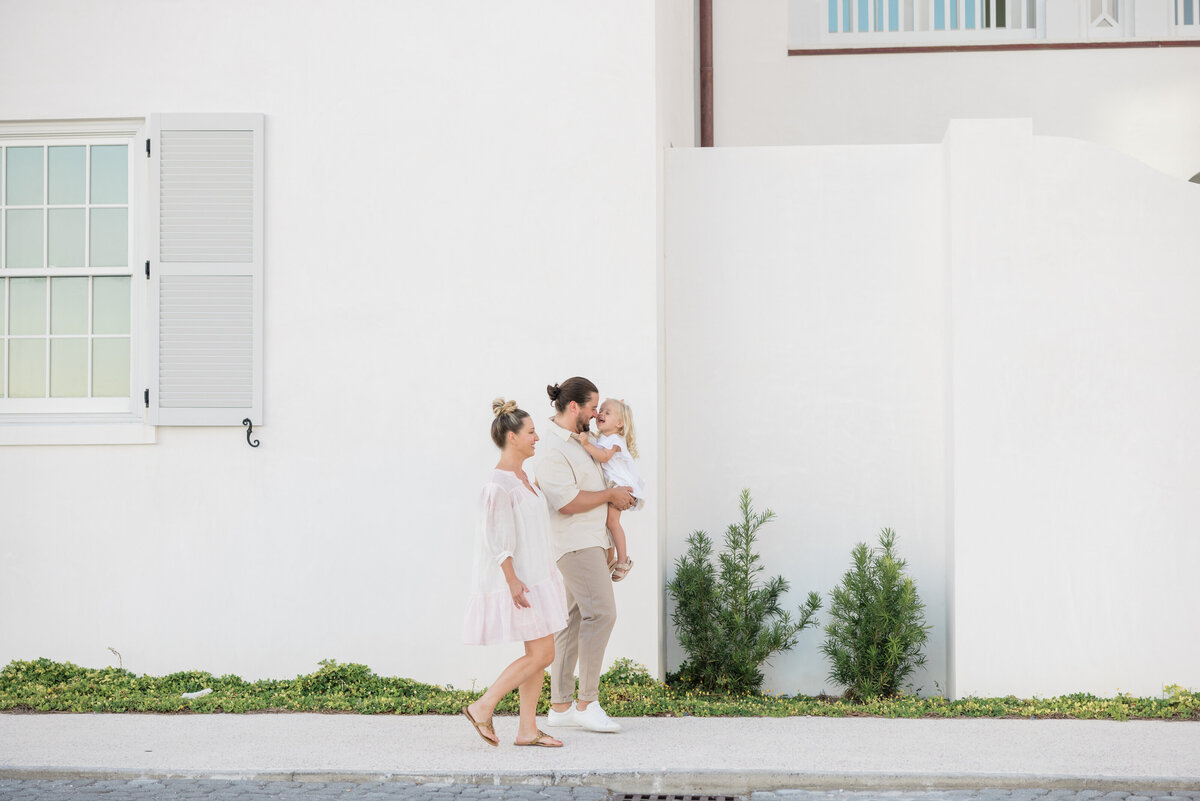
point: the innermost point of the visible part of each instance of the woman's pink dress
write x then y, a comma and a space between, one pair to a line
513, 522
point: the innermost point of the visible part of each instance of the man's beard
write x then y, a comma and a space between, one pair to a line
583, 424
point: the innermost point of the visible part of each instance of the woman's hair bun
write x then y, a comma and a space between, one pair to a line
501, 407
553, 390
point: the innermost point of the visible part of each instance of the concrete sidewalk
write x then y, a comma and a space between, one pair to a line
652, 755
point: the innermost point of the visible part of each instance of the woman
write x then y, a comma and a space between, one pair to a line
517, 593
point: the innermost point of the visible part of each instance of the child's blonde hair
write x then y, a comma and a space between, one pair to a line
626, 425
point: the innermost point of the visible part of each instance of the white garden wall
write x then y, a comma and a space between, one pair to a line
452, 187
1075, 289
1140, 101
988, 346
806, 357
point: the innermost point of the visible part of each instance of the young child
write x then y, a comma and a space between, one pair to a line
615, 449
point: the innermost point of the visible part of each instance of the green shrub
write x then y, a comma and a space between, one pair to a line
876, 634
728, 621
628, 673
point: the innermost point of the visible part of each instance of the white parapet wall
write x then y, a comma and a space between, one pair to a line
1139, 100
987, 345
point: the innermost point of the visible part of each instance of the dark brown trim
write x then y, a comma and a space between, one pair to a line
706, 74
858, 51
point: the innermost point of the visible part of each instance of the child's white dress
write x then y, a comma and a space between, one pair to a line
620, 471
513, 522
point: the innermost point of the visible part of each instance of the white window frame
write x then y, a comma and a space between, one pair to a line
36, 421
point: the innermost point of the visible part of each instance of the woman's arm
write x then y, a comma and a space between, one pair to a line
515, 586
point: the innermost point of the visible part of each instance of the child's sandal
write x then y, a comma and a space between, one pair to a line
621, 569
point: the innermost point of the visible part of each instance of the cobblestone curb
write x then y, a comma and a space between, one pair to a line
716, 782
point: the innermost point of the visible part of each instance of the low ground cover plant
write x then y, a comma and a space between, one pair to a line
627, 689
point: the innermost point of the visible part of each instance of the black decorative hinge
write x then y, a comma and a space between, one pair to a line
147, 268
249, 430
147, 148
146, 398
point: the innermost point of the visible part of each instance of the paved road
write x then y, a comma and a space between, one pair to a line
214, 790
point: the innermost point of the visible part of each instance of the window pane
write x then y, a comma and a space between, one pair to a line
66, 179
110, 174
24, 176
110, 306
110, 368
3, 315
27, 368
68, 368
24, 241
27, 305
68, 308
66, 237
110, 238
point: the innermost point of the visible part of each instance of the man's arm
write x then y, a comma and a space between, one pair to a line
620, 497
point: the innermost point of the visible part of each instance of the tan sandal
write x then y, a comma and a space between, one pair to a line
480, 726
621, 569
540, 741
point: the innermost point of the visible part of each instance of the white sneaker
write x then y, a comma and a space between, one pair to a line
595, 719
565, 718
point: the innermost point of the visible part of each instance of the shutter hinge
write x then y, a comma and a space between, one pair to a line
147, 148
147, 268
146, 396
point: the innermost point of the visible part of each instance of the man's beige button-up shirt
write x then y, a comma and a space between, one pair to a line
562, 472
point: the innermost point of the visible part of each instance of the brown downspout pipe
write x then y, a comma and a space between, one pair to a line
706, 74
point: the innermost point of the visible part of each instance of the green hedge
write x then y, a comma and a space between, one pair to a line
625, 690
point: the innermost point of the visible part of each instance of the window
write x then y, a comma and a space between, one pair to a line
818, 27
68, 206
131, 276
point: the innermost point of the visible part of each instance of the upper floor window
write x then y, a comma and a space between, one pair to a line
847, 25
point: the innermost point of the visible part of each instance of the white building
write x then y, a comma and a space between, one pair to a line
977, 333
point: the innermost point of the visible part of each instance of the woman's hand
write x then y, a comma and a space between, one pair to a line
519, 592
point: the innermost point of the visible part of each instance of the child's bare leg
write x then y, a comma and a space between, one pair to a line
618, 533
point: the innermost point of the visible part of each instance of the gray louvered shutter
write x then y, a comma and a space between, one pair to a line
206, 269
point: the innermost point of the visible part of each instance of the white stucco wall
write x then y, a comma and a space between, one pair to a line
453, 189
1139, 101
805, 360
1076, 285
987, 345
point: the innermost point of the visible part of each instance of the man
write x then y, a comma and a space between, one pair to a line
574, 486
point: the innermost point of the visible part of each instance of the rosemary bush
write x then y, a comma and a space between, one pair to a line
730, 622
876, 634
